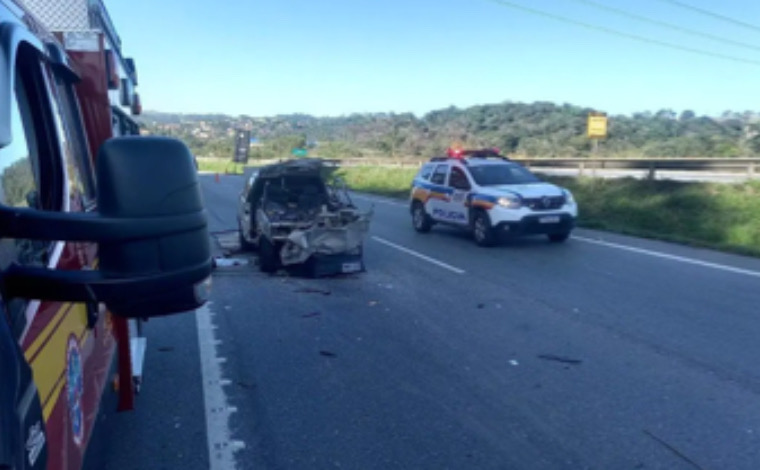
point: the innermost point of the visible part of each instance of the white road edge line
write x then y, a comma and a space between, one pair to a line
221, 446
681, 259
419, 255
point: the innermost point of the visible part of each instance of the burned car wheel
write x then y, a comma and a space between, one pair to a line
268, 261
558, 237
245, 245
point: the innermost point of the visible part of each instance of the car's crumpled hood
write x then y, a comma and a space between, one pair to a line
530, 191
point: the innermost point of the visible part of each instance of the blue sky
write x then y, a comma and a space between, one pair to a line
333, 57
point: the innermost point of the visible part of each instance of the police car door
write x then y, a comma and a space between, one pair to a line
439, 193
460, 186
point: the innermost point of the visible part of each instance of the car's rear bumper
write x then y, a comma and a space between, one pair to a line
319, 265
537, 225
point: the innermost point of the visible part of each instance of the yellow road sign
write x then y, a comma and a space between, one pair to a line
597, 126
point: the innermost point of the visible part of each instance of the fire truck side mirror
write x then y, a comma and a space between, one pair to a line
154, 251
153, 178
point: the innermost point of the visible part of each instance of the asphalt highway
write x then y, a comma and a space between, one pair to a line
605, 352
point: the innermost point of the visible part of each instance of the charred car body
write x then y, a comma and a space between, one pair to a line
294, 218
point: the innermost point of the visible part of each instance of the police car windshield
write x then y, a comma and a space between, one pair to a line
503, 173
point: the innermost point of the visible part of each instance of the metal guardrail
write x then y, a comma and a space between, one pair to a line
745, 166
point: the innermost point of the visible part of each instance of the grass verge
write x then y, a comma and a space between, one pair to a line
391, 182
219, 165
710, 215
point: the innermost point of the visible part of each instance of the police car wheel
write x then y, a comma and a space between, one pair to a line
420, 219
482, 230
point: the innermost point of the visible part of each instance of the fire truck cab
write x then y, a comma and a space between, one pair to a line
98, 228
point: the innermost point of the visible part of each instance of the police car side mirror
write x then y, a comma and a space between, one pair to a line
154, 251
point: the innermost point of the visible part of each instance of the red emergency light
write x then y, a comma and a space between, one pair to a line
455, 152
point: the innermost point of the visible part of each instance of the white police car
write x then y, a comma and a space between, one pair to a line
486, 193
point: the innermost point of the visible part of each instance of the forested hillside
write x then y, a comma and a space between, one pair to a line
537, 129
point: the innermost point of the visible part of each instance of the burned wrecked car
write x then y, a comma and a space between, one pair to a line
289, 213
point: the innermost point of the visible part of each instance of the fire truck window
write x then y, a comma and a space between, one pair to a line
19, 187
41, 135
19, 176
78, 159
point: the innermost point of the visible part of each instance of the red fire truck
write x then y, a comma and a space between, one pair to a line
99, 229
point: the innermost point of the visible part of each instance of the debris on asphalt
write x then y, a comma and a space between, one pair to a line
313, 290
481, 305
562, 359
242, 384
222, 262
372, 303
327, 353
310, 315
514, 362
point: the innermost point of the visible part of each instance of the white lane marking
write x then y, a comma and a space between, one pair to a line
681, 259
390, 202
221, 446
419, 255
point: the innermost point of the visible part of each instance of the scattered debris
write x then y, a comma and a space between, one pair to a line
372, 303
562, 359
327, 353
514, 362
245, 385
310, 315
677, 452
313, 290
166, 349
227, 307
229, 262
481, 305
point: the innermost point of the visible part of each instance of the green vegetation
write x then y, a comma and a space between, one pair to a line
713, 215
392, 182
217, 165
532, 129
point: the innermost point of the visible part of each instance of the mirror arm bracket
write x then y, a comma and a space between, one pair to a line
42, 225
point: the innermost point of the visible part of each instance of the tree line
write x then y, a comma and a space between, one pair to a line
538, 129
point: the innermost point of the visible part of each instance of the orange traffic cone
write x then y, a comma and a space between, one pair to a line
216, 178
